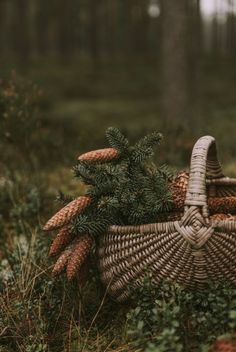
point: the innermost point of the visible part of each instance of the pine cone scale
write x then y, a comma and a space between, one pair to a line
217, 205
62, 239
81, 250
61, 262
223, 346
66, 214
100, 155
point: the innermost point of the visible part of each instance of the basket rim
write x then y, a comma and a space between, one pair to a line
143, 228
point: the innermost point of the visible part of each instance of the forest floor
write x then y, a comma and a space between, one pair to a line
40, 313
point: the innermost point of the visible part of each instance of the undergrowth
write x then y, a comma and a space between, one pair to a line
169, 318
42, 314
39, 313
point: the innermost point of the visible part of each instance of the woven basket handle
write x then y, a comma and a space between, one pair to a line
204, 164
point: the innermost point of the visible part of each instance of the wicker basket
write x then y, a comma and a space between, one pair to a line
189, 251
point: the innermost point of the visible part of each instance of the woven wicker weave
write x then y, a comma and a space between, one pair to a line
189, 251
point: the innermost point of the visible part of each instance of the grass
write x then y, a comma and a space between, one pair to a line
40, 313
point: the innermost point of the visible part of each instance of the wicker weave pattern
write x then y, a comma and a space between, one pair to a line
190, 251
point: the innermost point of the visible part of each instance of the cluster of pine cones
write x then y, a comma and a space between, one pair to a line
75, 251
224, 345
220, 208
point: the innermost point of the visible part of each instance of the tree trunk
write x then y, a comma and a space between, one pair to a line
2, 29
174, 60
127, 28
230, 28
21, 31
140, 27
42, 19
194, 55
65, 29
215, 36
93, 31
112, 15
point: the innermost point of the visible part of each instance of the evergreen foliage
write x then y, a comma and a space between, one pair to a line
116, 139
124, 187
129, 190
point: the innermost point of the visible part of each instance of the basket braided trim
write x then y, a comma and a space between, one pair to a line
143, 229
222, 187
227, 226
224, 181
204, 164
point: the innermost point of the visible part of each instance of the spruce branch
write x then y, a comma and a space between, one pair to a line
85, 172
143, 150
117, 140
125, 188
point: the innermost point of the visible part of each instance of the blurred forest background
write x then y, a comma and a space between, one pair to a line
69, 70
137, 64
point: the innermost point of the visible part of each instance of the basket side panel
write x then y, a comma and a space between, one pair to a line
124, 259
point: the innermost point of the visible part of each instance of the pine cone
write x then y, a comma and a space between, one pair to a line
217, 205
178, 188
223, 346
179, 199
100, 155
66, 214
219, 217
225, 205
181, 181
81, 250
62, 239
222, 205
62, 261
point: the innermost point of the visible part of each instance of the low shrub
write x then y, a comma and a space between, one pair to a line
169, 318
